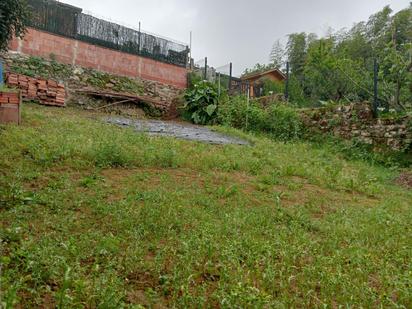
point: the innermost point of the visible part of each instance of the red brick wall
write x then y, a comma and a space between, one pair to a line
43, 44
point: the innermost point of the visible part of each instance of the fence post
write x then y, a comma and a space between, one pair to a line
1, 72
205, 68
76, 23
375, 88
247, 104
287, 82
190, 51
230, 76
139, 37
218, 74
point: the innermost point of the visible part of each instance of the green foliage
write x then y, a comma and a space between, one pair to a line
277, 55
278, 121
104, 80
259, 68
193, 79
355, 150
339, 67
395, 70
39, 67
4, 88
283, 123
14, 16
296, 92
273, 87
202, 103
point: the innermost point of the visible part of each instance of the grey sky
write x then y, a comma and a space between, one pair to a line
235, 31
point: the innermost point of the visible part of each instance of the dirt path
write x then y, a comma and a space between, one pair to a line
178, 130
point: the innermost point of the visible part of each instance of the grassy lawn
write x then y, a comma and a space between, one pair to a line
92, 215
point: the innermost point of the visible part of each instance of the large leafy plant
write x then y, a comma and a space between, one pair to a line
202, 103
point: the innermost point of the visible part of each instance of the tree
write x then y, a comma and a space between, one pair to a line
397, 74
277, 55
296, 51
378, 29
258, 68
14, 15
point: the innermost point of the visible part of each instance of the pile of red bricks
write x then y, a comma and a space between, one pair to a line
10, 107
9, 97
47, 92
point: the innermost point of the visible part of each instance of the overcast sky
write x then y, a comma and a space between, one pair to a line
238, 31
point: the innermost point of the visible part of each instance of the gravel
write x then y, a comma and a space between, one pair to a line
177, 130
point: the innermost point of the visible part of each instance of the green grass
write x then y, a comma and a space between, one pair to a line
92, 215
4, 88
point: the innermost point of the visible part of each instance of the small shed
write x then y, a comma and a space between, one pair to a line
254, 80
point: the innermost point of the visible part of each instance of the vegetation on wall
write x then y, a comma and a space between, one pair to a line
40, 67
14, 15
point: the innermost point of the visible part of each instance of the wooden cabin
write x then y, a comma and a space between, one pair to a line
254, 80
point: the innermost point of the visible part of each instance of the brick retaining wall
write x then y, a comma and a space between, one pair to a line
69, 51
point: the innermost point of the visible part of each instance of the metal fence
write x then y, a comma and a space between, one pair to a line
221, 76
69, 21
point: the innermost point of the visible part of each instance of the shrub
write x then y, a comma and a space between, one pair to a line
283, 123
272, 87
202, 103
279, 121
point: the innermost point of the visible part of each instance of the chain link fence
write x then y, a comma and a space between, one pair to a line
221, 76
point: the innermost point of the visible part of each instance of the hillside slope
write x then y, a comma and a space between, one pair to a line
94, 215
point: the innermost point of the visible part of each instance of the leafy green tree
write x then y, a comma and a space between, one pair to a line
258, 68
277, 55
296, 51
378, 29
355, 44
397, 74
339, 66
320, 70
401, 27
14, 15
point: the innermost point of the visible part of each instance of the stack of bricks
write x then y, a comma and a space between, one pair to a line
47, 92
10, 107
9, 98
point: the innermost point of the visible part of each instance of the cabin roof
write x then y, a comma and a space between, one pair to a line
261, 74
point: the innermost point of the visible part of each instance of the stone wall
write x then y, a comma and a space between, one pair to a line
356, 121
69, 51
